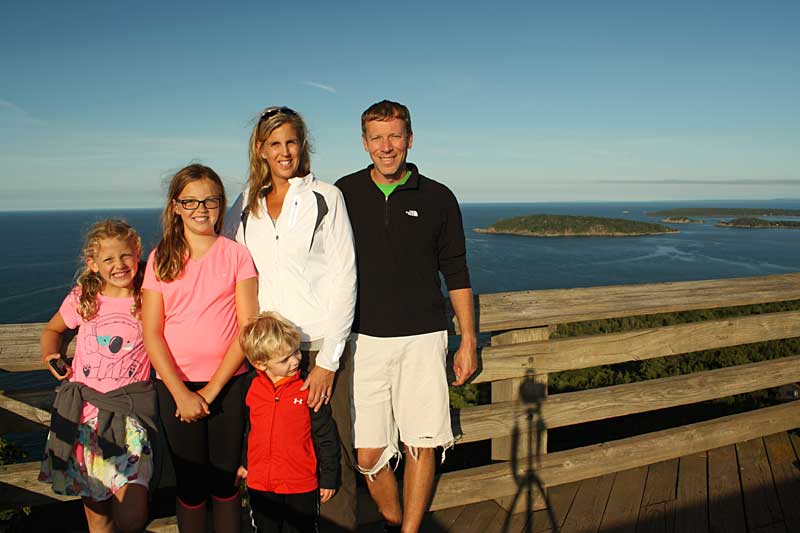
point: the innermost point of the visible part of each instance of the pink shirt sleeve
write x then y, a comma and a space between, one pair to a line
150, 282
69, 310
245, 268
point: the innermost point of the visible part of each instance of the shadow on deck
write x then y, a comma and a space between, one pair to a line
753, 486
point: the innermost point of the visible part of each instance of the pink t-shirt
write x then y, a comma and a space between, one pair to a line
200, 307
109, 351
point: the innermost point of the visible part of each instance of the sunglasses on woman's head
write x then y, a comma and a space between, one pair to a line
269, 113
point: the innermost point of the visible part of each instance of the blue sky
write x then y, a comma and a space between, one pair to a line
511, 101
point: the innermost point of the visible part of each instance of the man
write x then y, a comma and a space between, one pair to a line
407, 230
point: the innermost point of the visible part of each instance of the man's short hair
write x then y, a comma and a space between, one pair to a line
386, 110
267, 337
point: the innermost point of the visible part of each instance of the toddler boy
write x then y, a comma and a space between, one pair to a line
291, 452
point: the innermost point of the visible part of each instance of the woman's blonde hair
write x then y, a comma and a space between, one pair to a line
172, 251
268, 336
268, 121
91, 283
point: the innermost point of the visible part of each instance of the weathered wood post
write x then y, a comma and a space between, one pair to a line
508, 390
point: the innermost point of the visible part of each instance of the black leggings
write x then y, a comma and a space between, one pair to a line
207, 453
283, 513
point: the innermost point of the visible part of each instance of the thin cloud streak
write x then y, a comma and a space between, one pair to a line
19, 113
746, 181
320, 86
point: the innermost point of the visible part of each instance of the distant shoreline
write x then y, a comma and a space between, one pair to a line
717, 212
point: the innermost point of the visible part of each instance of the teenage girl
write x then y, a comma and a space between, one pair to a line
199, 289
109, 469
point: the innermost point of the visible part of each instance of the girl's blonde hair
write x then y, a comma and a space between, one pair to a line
172, 251
268, 336
268, 121
91, 283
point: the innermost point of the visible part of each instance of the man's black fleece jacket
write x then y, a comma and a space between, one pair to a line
402, 244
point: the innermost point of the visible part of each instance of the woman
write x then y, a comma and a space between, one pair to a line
299, 235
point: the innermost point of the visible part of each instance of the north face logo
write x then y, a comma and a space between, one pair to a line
412, 213
297, 401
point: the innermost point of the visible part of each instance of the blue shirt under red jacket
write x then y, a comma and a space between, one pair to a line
289, 447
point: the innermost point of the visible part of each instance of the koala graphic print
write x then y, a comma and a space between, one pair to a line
109, 350
111, 342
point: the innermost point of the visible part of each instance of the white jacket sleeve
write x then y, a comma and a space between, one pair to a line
232, 228
341, 264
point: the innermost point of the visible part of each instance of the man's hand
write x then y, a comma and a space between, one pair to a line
465, 362
320, 387
326, 494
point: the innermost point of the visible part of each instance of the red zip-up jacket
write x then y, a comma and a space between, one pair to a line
285, 439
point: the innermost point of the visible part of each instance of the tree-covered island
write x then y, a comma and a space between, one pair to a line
716, 212
750, 222
574, 226
682, 220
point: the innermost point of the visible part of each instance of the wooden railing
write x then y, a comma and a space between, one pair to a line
520, 324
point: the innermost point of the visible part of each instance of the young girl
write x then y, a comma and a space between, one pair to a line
199, 289
95, 449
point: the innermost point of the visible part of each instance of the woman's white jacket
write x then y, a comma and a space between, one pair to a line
305, 261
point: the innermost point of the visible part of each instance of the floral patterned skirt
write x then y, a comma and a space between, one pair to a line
90, 474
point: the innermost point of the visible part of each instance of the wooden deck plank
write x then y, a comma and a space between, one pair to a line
503, 523
758, 489
772, 528
661, 483
441, 520
476, 517
589, 504
622, 510
691, 507
725, 505
657, 518
657, 513
785, 472
560, 500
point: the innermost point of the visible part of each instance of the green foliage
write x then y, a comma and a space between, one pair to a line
9, 453
632, 371
749, 222
468, 395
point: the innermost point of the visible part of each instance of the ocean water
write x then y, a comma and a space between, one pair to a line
41, 251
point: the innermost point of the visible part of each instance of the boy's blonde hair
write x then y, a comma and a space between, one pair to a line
267, 337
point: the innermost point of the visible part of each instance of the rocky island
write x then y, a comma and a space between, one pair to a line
749, 222
574, 226
682, 220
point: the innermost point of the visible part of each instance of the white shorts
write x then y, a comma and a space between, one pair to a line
400, 389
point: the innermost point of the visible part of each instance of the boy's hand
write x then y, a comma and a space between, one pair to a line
326, 494
241, 475
320, 387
